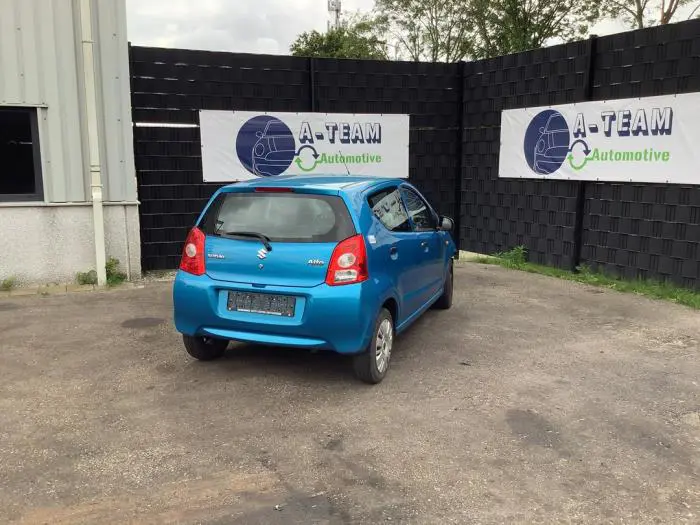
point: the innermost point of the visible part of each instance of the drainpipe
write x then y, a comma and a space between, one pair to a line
88, 67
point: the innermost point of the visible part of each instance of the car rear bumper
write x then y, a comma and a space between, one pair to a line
330, 318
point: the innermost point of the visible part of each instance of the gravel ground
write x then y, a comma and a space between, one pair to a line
533, 400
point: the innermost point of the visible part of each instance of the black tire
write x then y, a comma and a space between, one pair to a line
367, 365
445, 301
205, 348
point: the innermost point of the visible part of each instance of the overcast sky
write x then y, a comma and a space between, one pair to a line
244, 26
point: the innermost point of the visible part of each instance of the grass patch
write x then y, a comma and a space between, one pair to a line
84, 278
115, 277
8, 284
516, 259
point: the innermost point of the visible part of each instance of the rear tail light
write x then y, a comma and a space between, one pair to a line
349, 263
193, 253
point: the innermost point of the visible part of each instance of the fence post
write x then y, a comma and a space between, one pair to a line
582, 185
460, 161
135, 147
312, 84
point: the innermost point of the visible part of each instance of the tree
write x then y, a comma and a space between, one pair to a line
452, 30
510, 26
639, 14
433, 30
357, 37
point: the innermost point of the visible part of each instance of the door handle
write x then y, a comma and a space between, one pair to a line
393, 250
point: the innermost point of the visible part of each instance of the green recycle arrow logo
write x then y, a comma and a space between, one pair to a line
300, 165
570, 156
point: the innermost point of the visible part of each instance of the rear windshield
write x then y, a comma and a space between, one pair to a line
283, 217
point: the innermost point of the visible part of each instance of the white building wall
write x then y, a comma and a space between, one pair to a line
41, 66
57, 242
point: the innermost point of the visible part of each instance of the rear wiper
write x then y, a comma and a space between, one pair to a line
253, 235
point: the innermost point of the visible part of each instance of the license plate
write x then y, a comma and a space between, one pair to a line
262, 303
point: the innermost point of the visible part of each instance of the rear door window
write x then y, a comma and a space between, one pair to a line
388, 208
283, 217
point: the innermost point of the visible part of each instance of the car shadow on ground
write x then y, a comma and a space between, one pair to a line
249, 360
246, 360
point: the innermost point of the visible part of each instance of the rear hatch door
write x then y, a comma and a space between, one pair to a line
274, 238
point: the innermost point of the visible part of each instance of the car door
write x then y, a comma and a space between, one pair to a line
396, 248
424, 222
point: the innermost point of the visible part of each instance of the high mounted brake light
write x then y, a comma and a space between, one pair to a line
265, 189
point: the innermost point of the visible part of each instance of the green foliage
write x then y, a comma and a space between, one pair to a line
84, 278
432, 30
454, 30
8, 284
358, 37
502, 27
638, 14
517, 259
114, 275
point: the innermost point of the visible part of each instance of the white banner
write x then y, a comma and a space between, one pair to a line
245, 145
652, 139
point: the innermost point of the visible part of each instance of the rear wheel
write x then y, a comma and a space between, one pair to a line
372, 365
445, 301
204, 348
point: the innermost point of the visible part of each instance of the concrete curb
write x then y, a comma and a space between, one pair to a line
63, 289
465, 256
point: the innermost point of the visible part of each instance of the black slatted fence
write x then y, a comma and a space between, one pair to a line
633, 230
170, 86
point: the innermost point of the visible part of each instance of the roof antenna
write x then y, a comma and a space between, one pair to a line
344, 164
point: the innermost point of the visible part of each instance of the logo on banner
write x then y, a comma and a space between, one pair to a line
547, 142
550, 141
267, 147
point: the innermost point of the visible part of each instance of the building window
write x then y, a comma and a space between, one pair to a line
20, 172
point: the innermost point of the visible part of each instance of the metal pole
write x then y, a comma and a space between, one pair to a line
312, 84
582, 185
460, 161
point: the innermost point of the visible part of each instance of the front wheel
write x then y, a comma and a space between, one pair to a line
205, 348
372, 365
445, 300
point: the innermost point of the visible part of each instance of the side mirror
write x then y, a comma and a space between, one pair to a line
446, 224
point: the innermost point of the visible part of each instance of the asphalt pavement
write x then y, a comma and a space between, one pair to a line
533, 400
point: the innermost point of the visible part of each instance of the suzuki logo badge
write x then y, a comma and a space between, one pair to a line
262, 253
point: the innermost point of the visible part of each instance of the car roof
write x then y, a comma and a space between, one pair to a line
344, 183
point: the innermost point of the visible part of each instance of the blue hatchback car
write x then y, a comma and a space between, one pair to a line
337, 263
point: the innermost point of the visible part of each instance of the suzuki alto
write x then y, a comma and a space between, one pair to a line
338, 263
